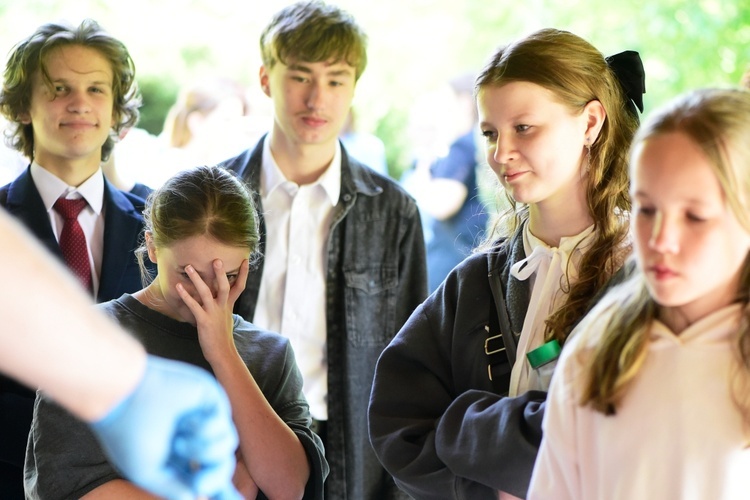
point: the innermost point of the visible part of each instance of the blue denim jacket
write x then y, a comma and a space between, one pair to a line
377, 276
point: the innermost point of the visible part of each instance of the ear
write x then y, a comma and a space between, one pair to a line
150, 247
24, 118
264, 84
595, 117
194, 121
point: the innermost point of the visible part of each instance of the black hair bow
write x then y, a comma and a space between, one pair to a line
628, 68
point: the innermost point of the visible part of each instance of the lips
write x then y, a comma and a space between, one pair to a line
78, 125
661, 272
314, 121
511, 176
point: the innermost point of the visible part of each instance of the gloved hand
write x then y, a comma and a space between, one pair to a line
173, 435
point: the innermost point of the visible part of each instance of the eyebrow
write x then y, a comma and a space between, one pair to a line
518, 117
304, 69
95, 82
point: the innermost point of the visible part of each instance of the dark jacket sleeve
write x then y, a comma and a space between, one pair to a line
412, 388
437, 355
492, 439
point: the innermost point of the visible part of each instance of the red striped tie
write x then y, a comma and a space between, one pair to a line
73, 241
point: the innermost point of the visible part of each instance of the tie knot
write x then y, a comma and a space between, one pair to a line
69, 209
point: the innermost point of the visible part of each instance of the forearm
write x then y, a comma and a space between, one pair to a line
272, 452
60, 357
491, 439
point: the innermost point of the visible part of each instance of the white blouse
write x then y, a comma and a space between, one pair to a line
546, 268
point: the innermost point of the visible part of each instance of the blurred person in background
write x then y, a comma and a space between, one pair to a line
210, 121
447, 188
365, 147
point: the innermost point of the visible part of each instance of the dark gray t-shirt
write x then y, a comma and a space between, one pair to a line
63, 458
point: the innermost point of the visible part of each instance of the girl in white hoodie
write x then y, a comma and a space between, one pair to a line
651, 398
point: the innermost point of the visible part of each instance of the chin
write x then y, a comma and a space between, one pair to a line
671, 299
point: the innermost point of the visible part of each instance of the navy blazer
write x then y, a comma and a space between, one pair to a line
123, 224
120, 274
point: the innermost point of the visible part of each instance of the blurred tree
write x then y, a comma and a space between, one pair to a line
414, 46
159, 93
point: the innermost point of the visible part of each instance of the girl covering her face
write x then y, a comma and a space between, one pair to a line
201, 231
652, 399
557, 122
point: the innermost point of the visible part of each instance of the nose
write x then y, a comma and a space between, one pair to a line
78, 102
664, 235
503, 150
315, 96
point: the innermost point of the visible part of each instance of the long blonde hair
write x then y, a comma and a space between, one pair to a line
577, 73
718, 121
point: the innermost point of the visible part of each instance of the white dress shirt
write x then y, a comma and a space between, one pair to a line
546, 268
91, 218
292, 295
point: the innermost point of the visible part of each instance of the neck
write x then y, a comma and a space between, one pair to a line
72, 173
678, 318
153, 298
675, 319
563, 214
551, 226
300, 163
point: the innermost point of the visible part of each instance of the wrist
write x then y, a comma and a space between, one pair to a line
225, 359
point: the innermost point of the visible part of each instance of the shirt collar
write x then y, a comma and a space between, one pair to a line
579, 241
272, 177
51, 188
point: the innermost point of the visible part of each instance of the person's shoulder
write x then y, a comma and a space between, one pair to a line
240, 163
136, 200
20, 184
263, 351
141, 190
247, 332
468, 275
113, 307
375, 185
475, 260
4, 194
123, 200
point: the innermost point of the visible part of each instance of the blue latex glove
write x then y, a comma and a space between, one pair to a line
173, 435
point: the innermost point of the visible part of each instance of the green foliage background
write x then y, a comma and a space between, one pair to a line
414, 46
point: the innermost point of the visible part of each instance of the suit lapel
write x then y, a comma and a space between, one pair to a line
122, 228
25, 203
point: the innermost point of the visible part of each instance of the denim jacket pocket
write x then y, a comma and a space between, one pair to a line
371, 305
